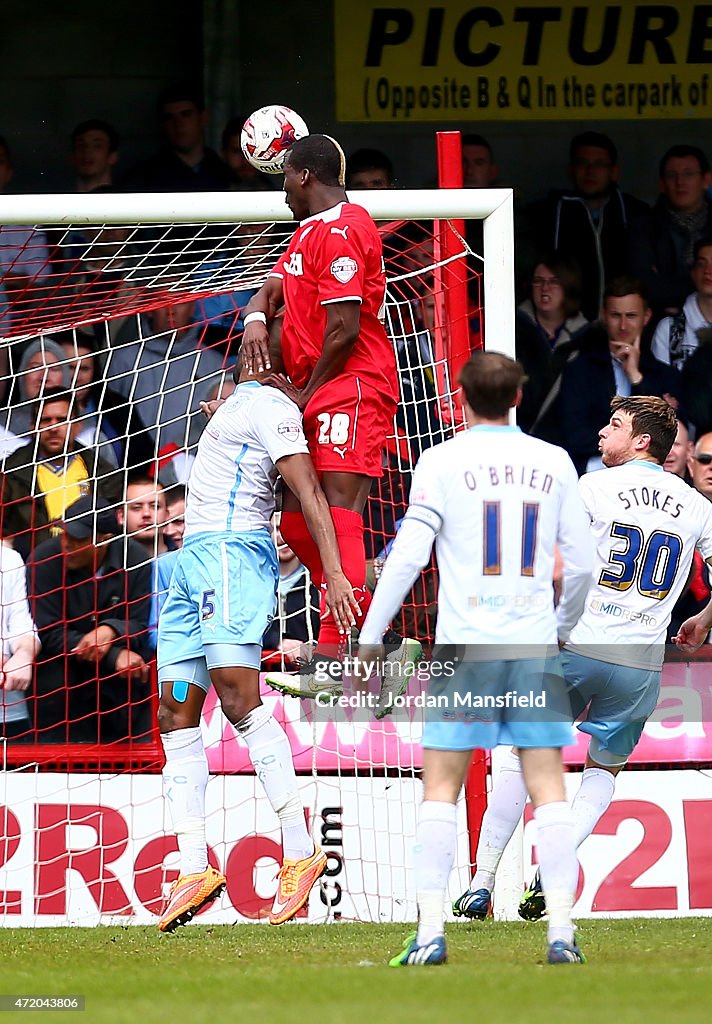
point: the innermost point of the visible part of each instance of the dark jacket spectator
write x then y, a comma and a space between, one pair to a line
661, 243
589, 384
600, 246
548, 327
90, 597
590, 222
34, 492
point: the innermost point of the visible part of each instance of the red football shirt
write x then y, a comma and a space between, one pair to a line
336, 256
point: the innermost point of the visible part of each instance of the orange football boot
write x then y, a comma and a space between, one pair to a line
296, 878
188, 895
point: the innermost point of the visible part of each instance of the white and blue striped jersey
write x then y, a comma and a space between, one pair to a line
646, 524
231, 485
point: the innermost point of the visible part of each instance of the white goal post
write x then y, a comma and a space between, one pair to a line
120, 255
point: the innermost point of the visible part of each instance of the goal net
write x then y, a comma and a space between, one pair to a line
119, 316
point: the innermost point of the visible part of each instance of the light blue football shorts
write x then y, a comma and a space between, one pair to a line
221, 600
619, 699
490, 721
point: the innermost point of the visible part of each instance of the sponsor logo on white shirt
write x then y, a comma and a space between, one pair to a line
290, 429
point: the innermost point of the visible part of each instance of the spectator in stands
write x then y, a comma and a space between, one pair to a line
697, 592
591, 221
478, 167
242, 175
548, 330
105, 417
661, 243
40, 481
165, 373
94, 154
611, 362
174, 526
19, 645
143, 515
297, 620
677, 337
185, 164
367, 169
90, 594
42, 366
679, 456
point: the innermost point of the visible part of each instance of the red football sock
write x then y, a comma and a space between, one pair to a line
349, 535
295, 531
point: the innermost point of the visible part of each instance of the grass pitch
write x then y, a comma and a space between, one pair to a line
638, 972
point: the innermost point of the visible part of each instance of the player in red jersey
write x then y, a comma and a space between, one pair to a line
340, 362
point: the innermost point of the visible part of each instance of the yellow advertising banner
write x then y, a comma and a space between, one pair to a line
520, 59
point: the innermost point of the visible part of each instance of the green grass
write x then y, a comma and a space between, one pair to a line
638, 972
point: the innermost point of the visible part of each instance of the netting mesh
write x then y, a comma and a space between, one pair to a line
123, 331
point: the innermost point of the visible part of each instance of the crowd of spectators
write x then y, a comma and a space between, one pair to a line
98, 424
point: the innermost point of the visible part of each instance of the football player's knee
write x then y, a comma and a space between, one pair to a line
604, 758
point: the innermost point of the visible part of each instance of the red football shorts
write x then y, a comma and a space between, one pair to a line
346, 423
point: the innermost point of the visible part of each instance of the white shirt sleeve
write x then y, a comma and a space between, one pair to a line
278, 425
576, 545
16, 617
660, 346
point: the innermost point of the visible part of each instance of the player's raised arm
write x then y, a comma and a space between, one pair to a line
258, 312
298, 473
343, 321
576, 546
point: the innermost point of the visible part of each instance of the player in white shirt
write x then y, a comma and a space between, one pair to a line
646, 525
495, 502
220, 602
19, 644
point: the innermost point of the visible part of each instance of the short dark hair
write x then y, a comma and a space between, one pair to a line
4, 145
596, 139
702, 243
95, 124
568, 271
472, 139
683, 150
490, 382
192, 92
369, 160
47, 397
653, 416
321, 156
625, 285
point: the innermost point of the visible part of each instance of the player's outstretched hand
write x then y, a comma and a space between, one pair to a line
341, 602
692, 633
255, 348
209, 409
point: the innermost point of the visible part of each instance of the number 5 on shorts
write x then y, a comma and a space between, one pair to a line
207, 608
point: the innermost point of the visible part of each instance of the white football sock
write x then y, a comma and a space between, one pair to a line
592, 800
271, 757
558, 866
185, 777
433, 857
504, 809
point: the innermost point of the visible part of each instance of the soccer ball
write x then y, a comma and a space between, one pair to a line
268, 134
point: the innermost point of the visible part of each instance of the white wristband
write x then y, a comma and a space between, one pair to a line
253, 317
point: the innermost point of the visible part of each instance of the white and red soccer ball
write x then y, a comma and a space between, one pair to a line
268, 133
